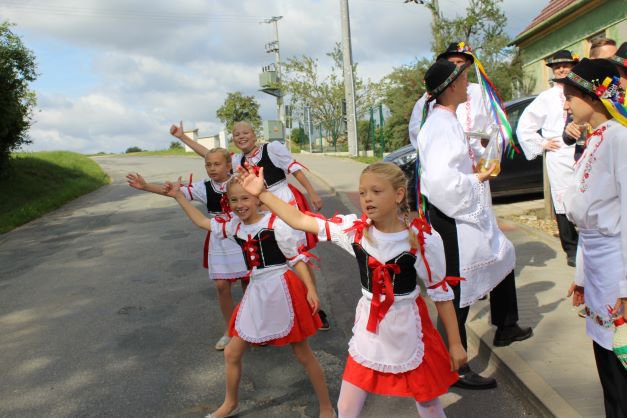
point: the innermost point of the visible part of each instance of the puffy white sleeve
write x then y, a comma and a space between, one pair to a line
195, 191
620, 169
290, 242
530, 122
416, 120
457, 194
435, 259
282, 158
333, 230
224, 230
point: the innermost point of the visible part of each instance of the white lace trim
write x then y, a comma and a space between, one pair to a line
478, 189
229, 276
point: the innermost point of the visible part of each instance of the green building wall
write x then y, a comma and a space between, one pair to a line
611, 16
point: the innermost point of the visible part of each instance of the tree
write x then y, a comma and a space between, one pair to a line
175, 145
238, 107
403, 87
133, 149
298, 136
17, 69
324, 95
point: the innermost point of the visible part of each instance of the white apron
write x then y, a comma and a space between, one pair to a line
600, 264
266, 311
397, 345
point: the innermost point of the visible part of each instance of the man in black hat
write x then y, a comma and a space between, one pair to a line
546, 114
472, 114
620, 60
597, 202
458, 197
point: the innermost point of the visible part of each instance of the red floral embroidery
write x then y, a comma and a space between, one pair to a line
591, 158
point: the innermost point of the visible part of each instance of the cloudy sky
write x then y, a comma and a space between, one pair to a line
115, 74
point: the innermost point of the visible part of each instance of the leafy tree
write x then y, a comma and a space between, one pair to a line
403, 87
175, 145
324, 95
133, 149
17, 69
298, 136
238, 107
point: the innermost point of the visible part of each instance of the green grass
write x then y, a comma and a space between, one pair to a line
40, 182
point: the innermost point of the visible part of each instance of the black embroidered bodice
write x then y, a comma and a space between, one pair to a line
261, 250
214, 197
271, 173
404, 282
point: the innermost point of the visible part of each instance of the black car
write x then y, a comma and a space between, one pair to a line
518, 175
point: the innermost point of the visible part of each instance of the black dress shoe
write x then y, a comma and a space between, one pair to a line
471, 380
570, 260
507, 335
325, 322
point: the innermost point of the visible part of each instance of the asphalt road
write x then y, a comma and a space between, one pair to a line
106, 311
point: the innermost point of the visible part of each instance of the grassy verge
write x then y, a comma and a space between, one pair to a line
367, 160
43, 181
177, 152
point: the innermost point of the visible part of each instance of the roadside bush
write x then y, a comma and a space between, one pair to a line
133, 149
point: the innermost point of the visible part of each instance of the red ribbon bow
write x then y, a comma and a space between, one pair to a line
422, 226
381, 284
450, 280
225, 207
251, 252
303, 250
358, 226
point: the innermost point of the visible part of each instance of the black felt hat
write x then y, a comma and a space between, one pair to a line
589, 76
458, 48
562, 56
440, 75
621, 56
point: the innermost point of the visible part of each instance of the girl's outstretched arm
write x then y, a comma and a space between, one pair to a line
136, 181
254, 185
316, 202
305, 276
178, 132
173, 190
446, 312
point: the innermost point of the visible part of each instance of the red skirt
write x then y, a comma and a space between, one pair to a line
305, 324
303, 206
429, 380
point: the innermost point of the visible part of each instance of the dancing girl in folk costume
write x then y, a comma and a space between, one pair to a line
281, 302
222, 258
460, 209
596, 202
278, 163
395, 349
546, 115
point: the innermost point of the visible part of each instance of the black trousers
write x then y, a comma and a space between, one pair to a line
568, 235
503, 302
613, 378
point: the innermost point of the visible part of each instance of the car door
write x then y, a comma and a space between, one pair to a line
518, 175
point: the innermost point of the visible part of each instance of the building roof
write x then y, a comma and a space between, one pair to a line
551, 9
555, 11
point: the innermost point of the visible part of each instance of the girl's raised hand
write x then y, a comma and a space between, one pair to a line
177, 131
136, 181
172, 189
251, 180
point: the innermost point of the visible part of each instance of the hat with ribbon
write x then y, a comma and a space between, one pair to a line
440, 75
621, 56
562, 56
598, 78
458, 48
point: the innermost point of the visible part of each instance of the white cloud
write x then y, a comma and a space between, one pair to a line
151, 63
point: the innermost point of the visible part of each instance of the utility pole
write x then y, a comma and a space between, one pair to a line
349, 82
270, 81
